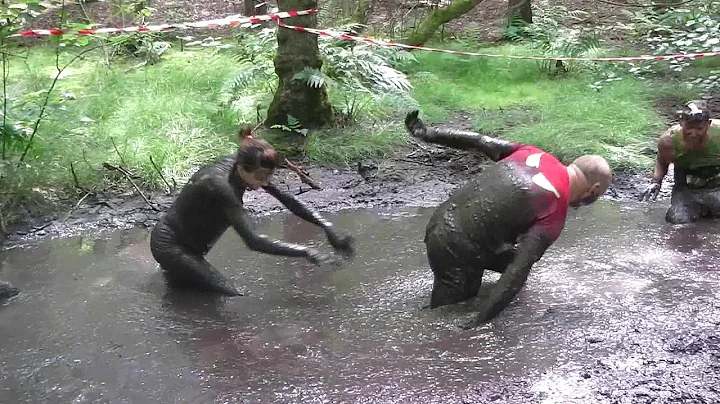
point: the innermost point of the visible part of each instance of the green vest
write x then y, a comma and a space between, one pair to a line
701, 165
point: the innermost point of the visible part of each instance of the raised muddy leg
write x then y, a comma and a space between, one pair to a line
495, 149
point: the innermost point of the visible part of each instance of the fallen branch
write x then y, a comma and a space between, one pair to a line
77, 181
170, 188
3, 229
75, 207
257, 126
422, 163
422, 147
302, 191
304, 177
88, 163
127, 175
122, 160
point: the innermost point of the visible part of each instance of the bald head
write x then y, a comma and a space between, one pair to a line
598, 175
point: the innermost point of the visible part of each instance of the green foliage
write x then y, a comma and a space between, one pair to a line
146, 46
357, 74
514, 100
13, 129
254, 81
351, 144
171, 117
293, 125
16, 14
167, 112
549, 34
694, 28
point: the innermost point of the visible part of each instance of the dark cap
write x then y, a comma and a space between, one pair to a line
695, 111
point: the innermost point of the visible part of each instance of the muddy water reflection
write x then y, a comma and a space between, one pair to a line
95, 322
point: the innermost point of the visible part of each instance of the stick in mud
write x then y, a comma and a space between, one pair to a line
124, 172
303, 177
76, 206
170, 188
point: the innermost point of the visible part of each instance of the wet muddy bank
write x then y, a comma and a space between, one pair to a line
417, 175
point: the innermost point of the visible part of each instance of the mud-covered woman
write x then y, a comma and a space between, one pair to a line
212, 201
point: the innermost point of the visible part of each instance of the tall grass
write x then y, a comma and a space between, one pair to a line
173, 113
519, 101
167, 111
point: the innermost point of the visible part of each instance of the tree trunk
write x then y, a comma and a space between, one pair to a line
249, 8
362, 11
297, 50
255, 7
438, 17
522, 7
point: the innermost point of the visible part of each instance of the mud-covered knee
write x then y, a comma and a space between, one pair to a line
680, 215
443, 295
7, 290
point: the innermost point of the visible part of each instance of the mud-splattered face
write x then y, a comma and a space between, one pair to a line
695, 133
256, 178
588, 197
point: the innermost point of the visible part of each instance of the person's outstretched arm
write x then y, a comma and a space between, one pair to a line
344, 244
665, 156
495, 149
239, 220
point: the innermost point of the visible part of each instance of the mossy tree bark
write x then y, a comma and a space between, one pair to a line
297, 50
438, 17
522, 7
362, 11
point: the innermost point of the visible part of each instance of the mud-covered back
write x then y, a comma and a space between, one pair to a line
492, 208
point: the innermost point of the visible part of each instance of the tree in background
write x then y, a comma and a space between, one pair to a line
297, 51
436, 18
523, 8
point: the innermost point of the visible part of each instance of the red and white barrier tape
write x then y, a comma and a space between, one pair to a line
167, 27
346, 37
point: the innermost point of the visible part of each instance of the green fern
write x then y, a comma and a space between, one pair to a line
516, 30
356, 70
313, 77
293, 125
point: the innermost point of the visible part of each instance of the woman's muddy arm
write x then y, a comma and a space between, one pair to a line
494, 148
344, 244
240, 221
300, 209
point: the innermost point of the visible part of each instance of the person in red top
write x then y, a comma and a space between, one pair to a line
505, 218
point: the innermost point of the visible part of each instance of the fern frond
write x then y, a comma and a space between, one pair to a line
313, 77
